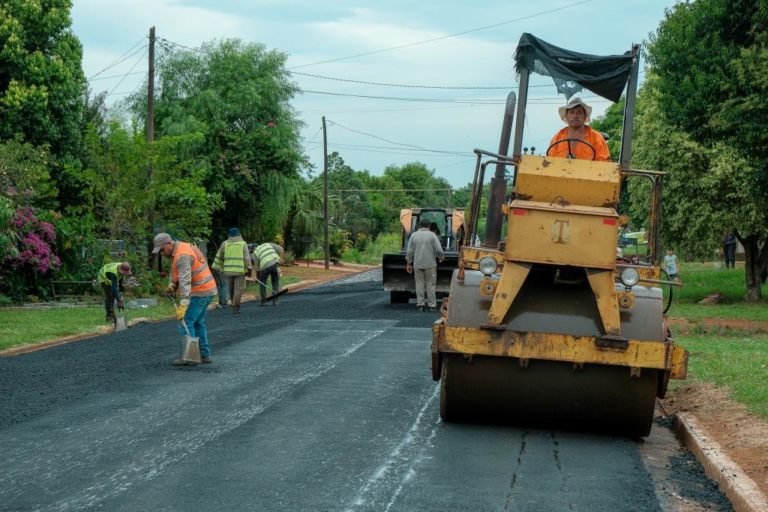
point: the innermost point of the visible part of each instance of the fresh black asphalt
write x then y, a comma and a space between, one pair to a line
322, 403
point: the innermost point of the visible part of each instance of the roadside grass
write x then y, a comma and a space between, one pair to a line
22, 326
700, 280
738, 363
385, 243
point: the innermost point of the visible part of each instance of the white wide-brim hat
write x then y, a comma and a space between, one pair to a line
573, 103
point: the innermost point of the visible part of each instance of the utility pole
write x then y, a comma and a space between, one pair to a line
150, 129
325, 196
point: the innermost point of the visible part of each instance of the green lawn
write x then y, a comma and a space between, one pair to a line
21, 326
739, 363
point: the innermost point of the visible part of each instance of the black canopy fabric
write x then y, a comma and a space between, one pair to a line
573, 71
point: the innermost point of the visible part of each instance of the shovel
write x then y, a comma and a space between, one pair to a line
274, 294
120, 323
190, 348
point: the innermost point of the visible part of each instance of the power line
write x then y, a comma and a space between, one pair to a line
394, 142
120, 59
427, 100
140, 59
117, 76
432, 40
410, 86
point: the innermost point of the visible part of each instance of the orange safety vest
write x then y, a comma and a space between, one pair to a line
202, 279
581, 151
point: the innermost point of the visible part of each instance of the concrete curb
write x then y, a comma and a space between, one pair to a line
740, 490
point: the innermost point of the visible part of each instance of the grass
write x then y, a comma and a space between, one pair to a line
385, 243
737, 363
21, 326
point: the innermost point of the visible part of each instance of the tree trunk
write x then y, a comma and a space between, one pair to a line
755, 255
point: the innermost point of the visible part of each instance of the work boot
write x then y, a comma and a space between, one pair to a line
263, 303
236, 309
420, 308
206, 360
432, 308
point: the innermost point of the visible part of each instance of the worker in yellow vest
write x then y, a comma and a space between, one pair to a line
192, 280
266, 258
111, 278
233, 262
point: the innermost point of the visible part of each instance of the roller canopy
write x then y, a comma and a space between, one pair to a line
571, 71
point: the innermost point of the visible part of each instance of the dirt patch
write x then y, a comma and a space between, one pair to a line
718, 325
742, 435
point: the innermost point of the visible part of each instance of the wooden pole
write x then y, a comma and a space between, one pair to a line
150, 129
325, 196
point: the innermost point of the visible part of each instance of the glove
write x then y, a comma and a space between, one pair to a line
120, 304
181, 310
171, 288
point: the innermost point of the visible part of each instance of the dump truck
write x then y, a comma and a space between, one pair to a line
448, 224
544, 326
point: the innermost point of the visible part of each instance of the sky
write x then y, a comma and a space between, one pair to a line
437, 73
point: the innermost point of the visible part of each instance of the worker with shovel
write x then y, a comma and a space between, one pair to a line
233, 263
111, 277
192, 280
266, 260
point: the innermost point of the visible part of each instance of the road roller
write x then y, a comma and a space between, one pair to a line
544, 325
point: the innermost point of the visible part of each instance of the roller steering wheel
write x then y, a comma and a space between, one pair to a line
590, 146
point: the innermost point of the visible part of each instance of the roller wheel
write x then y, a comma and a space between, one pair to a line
548, 394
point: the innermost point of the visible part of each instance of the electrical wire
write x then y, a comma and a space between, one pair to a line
394, 142
432, 40
120, 59
140, 59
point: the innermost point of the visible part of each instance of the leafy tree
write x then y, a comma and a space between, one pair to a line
237, 95
42, 83
708, 68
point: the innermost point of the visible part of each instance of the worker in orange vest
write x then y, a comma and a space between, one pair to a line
192, 280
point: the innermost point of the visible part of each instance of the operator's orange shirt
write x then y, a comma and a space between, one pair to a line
579, 150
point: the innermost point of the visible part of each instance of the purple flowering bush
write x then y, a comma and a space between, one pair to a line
28, 256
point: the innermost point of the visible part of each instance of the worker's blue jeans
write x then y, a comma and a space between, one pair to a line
195, 320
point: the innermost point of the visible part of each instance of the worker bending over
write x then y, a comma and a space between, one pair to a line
111, 278
192, 280
266, 260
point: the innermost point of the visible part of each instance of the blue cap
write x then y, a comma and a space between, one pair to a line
234, 232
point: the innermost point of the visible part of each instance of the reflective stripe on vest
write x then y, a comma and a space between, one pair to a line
233, 257
108, 268
202, 279
266, 255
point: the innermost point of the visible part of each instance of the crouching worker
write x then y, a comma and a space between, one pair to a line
111, 277
266, 260
192, 280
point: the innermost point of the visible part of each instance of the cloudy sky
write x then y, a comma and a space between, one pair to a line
437, 73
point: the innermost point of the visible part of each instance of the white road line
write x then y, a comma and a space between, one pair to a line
414, 439
152, 462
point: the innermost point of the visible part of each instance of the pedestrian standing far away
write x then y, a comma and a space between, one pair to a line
671, 265
421, 258
233, 263
192, 281
266, 260
111, 278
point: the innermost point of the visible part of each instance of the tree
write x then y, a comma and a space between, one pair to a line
237, 95
42, 83
708, 66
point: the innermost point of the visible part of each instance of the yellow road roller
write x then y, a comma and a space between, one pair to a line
544, 325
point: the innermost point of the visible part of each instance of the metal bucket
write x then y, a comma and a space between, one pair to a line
120, 323
190, 351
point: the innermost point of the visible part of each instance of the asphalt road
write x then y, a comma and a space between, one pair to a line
322, 403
